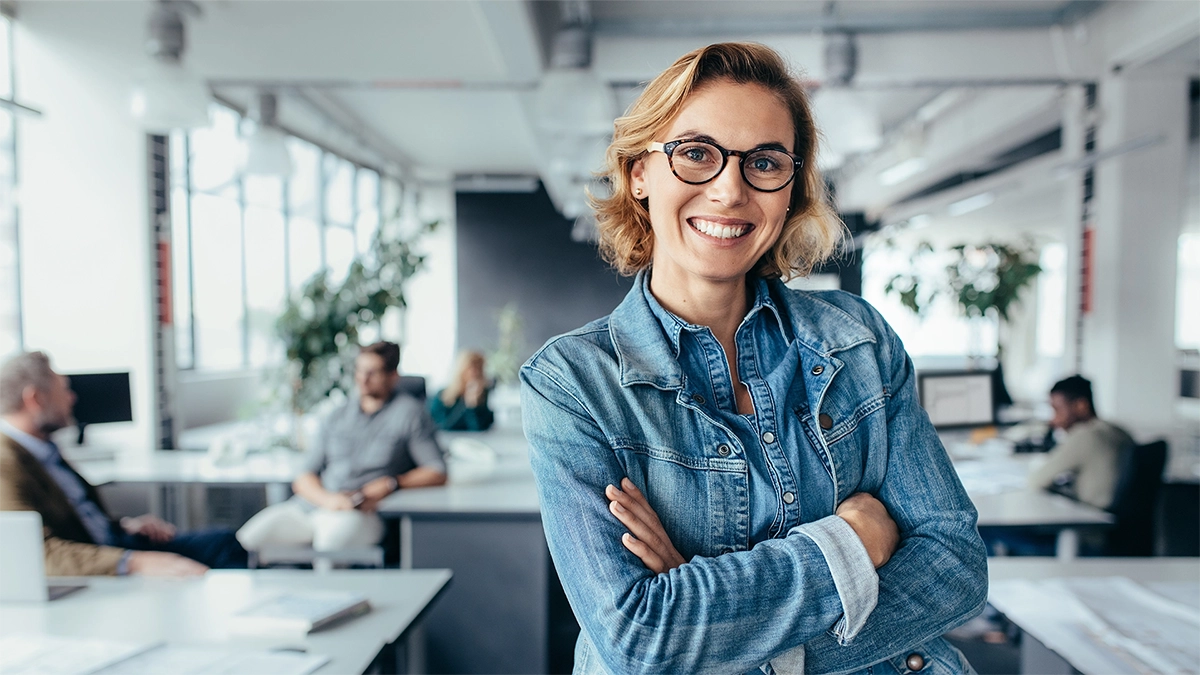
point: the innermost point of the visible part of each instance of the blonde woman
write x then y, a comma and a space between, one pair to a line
463, 406
736, 476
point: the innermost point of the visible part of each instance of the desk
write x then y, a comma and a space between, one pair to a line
1048, 652
996, 485
486, 525
193, 611
175, 471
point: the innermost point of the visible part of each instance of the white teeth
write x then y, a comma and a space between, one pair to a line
719, 231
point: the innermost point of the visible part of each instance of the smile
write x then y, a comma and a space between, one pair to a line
720, 230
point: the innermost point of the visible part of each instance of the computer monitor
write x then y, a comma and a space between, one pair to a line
957, 398
101, 398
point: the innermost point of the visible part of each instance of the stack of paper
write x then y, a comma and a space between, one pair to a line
298, 612
30, 654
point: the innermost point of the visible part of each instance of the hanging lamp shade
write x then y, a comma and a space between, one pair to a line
167, 96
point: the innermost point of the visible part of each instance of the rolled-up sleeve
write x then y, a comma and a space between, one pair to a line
852, 570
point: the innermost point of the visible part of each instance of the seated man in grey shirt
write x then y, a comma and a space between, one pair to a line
377, 443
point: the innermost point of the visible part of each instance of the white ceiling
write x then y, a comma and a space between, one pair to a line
437, 88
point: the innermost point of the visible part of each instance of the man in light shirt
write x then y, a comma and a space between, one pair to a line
380, 441
81, 538
1091, 451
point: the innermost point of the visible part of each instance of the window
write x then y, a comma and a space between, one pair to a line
1187, 294
243, 243
10, 265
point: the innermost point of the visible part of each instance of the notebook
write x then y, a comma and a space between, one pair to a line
22, 558
298, 612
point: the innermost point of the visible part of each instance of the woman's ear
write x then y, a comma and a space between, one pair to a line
637, 179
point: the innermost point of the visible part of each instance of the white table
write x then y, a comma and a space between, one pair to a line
1064, 648
176, 471
193, 611
996, 484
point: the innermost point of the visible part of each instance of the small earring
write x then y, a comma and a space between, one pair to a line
637, 192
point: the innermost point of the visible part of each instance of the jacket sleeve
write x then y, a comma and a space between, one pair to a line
64, 557
937, 578
1067, 456
695, 618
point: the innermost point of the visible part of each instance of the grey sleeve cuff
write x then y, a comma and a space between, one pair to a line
123, 563
853, 573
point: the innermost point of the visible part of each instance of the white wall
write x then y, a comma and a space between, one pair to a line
84, 212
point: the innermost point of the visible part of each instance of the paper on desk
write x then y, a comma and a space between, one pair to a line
30, 654
1104, 625
179, 660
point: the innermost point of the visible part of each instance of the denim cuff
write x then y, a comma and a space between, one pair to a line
123, 563
853, 573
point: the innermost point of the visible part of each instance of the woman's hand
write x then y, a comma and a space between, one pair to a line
874, 526
646, 537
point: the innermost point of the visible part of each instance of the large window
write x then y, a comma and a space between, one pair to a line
243, 243
10, 269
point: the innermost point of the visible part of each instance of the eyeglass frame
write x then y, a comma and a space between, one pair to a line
669, 147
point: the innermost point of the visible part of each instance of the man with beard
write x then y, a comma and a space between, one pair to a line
81, 537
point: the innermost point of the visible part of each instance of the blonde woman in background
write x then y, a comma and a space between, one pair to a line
462, 406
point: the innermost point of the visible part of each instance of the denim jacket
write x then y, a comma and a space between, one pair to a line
836, 413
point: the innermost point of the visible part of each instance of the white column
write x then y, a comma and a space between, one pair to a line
1129, 334
1074, 132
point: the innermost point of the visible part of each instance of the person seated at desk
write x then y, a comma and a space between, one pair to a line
374, 445
1091, 450
82, 539
463, 405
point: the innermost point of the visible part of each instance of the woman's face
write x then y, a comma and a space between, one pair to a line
716, 231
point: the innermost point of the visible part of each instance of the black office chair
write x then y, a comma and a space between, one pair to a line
1135, 501
413, 385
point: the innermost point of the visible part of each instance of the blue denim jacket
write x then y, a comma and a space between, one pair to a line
835, 413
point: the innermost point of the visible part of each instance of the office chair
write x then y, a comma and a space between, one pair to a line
1135, 499
413, 385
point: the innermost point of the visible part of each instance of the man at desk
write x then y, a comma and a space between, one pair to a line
81, 538
378, 443
1091, 449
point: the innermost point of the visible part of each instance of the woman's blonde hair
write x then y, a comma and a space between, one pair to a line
812, 232
458, 382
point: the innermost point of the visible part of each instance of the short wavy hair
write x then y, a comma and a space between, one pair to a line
812, 233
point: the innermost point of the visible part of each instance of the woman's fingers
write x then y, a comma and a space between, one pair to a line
635, 501
649, 558
638, 527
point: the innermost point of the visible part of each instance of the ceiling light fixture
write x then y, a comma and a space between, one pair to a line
902, 171
972, 203
266, 147
168, 96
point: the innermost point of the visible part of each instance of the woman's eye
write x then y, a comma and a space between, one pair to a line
695, 153
762, 164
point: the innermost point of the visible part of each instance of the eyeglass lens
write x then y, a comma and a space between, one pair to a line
699, 162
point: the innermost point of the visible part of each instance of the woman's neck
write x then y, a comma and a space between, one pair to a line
718, 305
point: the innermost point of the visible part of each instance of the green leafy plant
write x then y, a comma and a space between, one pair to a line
505, 360
320, 326
983, 280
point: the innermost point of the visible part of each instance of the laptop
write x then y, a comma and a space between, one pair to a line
22, 560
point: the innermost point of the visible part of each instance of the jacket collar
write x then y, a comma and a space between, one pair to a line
646, 336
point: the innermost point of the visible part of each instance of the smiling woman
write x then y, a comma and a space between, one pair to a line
735, 475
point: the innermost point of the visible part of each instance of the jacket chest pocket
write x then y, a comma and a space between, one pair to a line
844, 438
703, 502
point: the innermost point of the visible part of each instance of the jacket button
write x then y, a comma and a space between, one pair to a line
915, 662
817, 370
788, 498
768, 438
698, 399
723, 450
826, 421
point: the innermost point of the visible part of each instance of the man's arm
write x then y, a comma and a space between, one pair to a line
1066, 456
308, 485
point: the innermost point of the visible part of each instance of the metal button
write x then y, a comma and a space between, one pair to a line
788, 498
698, 399
915, 661
723, 450
768, 437
826, 421
817, 370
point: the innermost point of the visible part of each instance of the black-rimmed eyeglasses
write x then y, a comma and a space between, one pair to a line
696, 162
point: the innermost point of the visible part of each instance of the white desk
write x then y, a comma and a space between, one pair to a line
1065, 648
996, 484
194, 611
